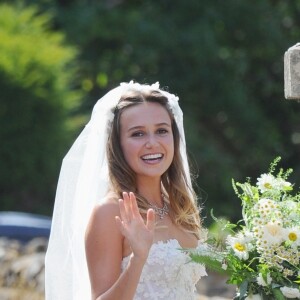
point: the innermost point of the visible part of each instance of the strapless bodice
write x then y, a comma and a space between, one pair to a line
168, 273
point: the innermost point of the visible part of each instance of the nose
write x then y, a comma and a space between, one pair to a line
151, 142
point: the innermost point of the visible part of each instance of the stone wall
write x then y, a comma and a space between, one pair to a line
22, 273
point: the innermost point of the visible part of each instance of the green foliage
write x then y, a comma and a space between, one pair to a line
35, 97
223, 58
225, 65
278, 295
209, 260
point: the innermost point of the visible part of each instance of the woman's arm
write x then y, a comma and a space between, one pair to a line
108, 226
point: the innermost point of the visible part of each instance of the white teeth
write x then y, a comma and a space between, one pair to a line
152, 156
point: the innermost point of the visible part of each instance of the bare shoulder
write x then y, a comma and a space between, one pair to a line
102, 233
104, 246
103, 214
106, 206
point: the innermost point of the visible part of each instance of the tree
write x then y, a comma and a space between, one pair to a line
223, 58
36, 94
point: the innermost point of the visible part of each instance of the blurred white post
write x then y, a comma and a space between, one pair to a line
292, 73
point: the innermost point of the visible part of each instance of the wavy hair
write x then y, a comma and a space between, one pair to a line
181, 196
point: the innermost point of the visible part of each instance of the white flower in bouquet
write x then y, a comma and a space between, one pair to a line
262, 281
290, 209
292, 235
239, 244
289, 205
281, 184
262, 253
265, 210
272, 233
290, 292
265, 182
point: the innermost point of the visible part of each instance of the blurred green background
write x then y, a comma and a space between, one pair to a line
224, 59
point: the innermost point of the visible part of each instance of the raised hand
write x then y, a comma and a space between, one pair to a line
139, 233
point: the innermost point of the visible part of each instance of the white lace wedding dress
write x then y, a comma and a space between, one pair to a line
168, 273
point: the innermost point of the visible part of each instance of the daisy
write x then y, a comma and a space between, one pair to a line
239, 246
293, 235
265, 182
272, 233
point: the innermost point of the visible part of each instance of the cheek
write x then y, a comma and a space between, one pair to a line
170, 146
129, 149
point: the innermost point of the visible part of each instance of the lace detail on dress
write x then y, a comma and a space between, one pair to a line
168, 273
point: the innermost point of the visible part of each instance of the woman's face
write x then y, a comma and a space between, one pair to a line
146, 139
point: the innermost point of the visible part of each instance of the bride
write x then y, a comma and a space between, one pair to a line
129, 245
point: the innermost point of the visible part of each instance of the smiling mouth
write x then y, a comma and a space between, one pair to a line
152, 157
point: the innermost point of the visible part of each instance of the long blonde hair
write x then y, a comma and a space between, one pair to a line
184, 211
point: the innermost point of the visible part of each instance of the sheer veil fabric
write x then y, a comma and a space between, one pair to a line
83, 182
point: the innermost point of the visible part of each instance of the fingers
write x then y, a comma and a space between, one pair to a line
134, 206
150, 219
123, 212
127, 205
129, 210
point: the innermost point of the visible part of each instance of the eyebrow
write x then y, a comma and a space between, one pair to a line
156, 125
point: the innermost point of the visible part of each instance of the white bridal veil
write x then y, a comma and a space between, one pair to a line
83, 182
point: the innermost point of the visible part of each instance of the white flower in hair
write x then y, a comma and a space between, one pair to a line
172, 99
139, 87
155, 85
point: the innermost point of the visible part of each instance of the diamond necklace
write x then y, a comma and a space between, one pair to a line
161, 212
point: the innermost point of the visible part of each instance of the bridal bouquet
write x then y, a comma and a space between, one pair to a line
261, 255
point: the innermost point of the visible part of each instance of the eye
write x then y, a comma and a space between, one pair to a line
162, 131
137, 134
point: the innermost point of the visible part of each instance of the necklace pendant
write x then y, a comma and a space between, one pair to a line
160, 212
